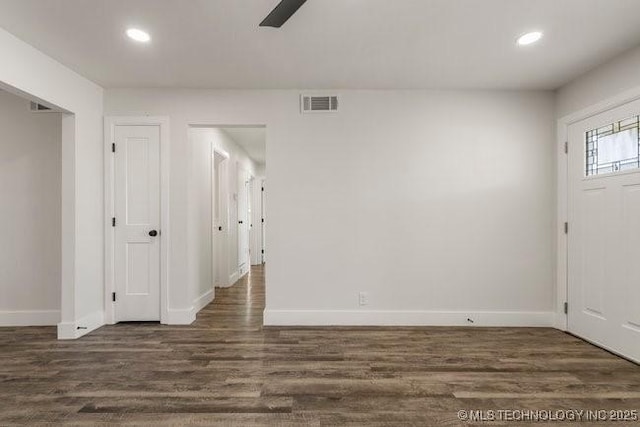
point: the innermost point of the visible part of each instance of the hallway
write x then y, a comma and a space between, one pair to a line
226, 369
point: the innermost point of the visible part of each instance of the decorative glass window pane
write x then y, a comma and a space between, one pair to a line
613, 148
618, 147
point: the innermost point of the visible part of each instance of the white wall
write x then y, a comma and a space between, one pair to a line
30, 214
203, 141
439, 204
610, 79
27, 71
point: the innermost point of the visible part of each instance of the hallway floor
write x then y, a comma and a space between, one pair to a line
226, 369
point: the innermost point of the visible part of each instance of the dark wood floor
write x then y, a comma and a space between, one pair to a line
226, 369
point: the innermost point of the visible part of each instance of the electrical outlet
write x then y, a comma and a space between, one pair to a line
363, 298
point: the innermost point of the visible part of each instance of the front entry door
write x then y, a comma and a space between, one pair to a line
137, 221
244, 221
604, 230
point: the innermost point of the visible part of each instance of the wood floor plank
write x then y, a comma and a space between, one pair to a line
227, 369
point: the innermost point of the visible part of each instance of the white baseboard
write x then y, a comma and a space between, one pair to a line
188, 315
81, 327
204, 300
181, 317
29, 318
67, 331
233, 278
560, 321
406, 318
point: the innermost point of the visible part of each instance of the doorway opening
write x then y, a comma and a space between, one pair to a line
30, 212
226, 227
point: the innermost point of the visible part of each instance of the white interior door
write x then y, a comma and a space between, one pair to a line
137, 213
243, 221
220, 220
604, 230
263, 222
256, 222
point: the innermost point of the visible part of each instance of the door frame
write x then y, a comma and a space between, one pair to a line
256, 220
562, 182
247, 182
110, 122
250, 217
218, 260
232, 271
263, 219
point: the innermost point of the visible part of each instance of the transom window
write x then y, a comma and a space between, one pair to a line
613, 148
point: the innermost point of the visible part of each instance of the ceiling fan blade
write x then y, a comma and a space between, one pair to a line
282, 12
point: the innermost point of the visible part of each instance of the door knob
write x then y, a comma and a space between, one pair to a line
153, 233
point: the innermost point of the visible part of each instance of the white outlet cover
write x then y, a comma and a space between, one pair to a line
363, 298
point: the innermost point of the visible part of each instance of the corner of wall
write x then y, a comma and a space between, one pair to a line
203, 300
181, 316
74, 330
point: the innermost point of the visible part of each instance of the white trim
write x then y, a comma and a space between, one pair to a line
243, 271
29, 318
66, 331
180, 317
406, 318
109, 124
219, 262
256, 220
188, 316
233, 278
602, 106
562, 247
69, 221
562, 215
203, 300
73, 330
263, 216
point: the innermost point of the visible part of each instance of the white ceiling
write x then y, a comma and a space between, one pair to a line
253, 140
393, 44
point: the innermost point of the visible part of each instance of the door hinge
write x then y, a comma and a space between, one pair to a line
262, 189
263, 251
566, 147
566, 308
566, 228
113, 296
113, 147
113, 221
262, 219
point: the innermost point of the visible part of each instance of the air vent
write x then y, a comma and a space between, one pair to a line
39, 108
319, 104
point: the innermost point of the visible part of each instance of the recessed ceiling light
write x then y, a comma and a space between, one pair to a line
529, 38
138, 35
